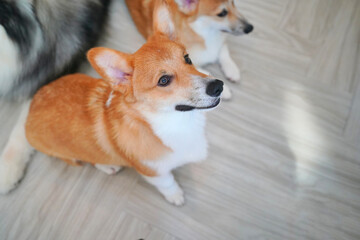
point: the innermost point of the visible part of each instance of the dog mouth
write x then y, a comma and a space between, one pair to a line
186, 108
235, 33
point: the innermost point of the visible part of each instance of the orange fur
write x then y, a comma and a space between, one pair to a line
142, 14
62, 119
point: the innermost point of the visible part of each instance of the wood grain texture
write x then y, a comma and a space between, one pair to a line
284, 160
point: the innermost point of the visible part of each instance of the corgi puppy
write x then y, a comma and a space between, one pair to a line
201, 25
146, 111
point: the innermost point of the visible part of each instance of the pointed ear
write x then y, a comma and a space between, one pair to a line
187, 6
163, 22
114, 66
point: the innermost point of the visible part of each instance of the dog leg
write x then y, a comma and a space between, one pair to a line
206, 72
72, 162
168, 187
108, 169
15, 155
226, 94
228, 65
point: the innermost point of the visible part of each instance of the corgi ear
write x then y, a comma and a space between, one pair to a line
112, 65
163, 22
187, 6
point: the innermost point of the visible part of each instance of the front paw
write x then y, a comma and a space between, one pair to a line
203, 71
226, 94
10, 174
176, 198
231, 71
108, 169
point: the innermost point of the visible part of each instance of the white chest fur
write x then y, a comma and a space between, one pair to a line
184, 133
214, 40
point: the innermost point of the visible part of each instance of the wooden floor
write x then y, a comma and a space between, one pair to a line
284, 159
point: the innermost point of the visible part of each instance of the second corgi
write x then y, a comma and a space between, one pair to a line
147, 111
201, 26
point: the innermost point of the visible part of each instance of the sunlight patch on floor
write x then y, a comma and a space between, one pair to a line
303, 137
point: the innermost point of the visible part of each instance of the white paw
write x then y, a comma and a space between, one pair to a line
176, 198
226, 93
10, 174
108, 169
231, 71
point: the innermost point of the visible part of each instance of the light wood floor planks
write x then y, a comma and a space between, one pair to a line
284, 158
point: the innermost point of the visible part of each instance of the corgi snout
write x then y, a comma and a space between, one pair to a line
214, 88
242, 27
248, 28
205, 95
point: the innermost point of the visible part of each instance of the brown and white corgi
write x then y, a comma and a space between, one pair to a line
147, 111
201, 25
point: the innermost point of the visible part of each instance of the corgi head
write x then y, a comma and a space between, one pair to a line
219, 14
160, 75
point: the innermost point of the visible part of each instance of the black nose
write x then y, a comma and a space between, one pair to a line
248, 28
214, 88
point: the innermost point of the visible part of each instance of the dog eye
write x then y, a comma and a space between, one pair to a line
187, 59
223, 13
164, 81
